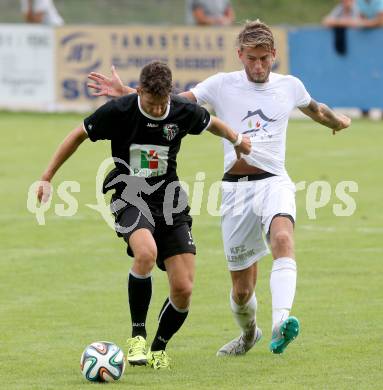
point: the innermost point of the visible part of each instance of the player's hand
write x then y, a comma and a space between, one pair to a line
344, 122
105, 86
244, 147
44, 191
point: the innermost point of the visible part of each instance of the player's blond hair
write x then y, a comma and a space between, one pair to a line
255, 34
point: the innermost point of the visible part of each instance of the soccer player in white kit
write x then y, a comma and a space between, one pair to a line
258, 196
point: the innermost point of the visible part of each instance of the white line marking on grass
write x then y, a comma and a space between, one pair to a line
334, 250
331, 229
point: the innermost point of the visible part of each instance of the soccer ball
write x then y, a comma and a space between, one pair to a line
102, 361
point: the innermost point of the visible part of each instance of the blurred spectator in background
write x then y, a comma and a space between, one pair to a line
371, 15
364, 13
344, 14
41, 11
209, 12
371, 12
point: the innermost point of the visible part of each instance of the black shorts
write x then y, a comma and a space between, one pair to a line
171, 240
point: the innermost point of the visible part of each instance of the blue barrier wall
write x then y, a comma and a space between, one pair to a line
354, 79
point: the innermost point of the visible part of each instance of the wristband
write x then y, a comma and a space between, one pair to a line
238, 141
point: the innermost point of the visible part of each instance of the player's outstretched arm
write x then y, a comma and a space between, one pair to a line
114, 87
71, 142
241, 143
322, 114
108, 86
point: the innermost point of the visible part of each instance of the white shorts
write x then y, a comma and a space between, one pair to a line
247, 209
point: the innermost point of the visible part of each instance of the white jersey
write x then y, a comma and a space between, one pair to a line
51, 16
260, 110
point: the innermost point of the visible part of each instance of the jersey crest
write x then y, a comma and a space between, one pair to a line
170, 130
257, 121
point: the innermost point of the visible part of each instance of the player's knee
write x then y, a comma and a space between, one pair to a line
242, 294
282, 241
145, 257
183, 289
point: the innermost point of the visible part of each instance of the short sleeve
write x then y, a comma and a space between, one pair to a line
199, 119
302, 97
207, 91
102, 124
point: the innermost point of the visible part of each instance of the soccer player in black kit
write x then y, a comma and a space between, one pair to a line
150, 208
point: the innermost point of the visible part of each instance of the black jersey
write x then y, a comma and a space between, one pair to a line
145, 146
148, 145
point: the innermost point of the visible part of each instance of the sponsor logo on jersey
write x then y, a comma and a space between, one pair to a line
258, 122
152, 125
259, 113
149, 160
170, 131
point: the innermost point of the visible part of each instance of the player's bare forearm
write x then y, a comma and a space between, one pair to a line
63, 152
221, 129
70, 144
322, 114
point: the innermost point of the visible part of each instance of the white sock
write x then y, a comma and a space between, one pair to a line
283, 280
244, 314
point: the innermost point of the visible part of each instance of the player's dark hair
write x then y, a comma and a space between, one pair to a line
156, 79
255, 34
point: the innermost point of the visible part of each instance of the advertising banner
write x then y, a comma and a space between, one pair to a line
193, 53
26, 67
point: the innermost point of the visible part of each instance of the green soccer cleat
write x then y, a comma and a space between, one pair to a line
158, 360
283, 334
136, 355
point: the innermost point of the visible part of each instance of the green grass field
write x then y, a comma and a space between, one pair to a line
63, 285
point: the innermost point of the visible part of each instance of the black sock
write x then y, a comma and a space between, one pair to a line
170, 320
140, 293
